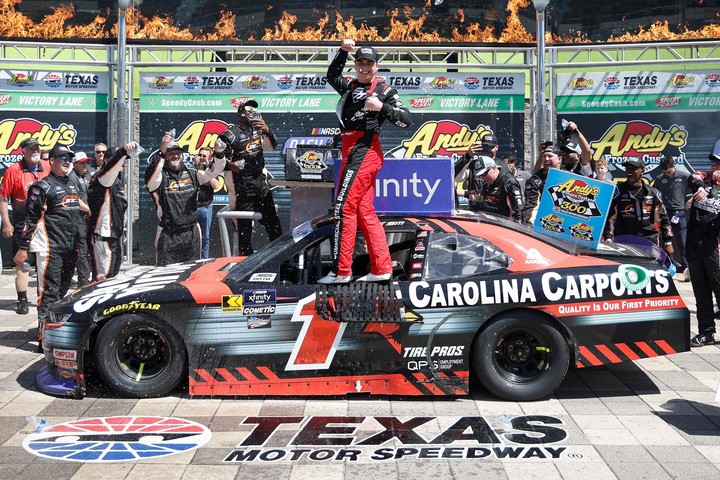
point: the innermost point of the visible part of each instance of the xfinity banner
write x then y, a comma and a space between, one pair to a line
644, 115
449, 111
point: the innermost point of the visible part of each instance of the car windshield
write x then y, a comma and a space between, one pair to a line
262, 256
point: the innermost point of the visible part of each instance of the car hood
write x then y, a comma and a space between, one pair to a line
200, 281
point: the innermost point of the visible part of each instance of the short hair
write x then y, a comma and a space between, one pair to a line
511, 159
206, 149
100, 145
601, 162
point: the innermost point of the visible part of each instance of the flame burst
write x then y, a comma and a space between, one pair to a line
408, 26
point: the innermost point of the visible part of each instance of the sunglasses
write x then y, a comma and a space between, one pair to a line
100, 151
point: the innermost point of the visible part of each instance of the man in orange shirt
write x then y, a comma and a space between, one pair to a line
18, 177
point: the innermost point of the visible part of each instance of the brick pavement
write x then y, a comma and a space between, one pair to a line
654, 418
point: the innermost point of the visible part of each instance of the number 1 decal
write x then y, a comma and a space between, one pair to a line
318, 340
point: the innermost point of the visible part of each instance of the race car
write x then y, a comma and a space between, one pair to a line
471, 295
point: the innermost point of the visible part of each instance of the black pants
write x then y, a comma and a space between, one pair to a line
270, 220
704, 265
84, 272
54, 274
179, 245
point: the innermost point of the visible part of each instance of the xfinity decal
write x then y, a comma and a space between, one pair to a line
377, 439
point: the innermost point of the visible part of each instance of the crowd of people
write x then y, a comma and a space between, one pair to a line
69, 209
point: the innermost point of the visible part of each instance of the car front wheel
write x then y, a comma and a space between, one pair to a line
140, 356
521, 357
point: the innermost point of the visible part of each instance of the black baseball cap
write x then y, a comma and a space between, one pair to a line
248, 103
552, 149
29, 142
489, 142
366, 52
571, 147
61, 151
635, 162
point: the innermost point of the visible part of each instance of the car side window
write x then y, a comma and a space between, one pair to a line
458, 255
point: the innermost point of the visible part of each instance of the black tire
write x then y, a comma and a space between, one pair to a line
521, 357
140, 356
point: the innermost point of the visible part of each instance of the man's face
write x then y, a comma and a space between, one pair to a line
100, 153
633, 174
550, 160
246, 115
32, 154
80, 167
61, 166
490, 176
365, 69
670, 171
202, 158
173, 159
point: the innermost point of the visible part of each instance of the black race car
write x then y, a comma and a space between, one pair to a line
470, 295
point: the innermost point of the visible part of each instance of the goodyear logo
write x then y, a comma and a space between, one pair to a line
232, 303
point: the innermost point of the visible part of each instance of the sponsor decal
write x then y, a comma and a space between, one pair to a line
64, 354
131, 306
263, 277
263, 321
14, 131
378, 439
681, 81
66, 364
552, 223
712, 80
637, 139
21, 80
217, 82
236, 102
575, 197
443, 83
667, 102
5, 98
405, 83
611, 83
553, 287
472, 83
129, 284
311, 162
634, 277
444, 138
284, 82
81, 80
582, 231
259, 302
421, 102
117, 439
440, 356
191, 83
322, 131
581, 83
161, 82
53, 80
310, 82
232, 303
639, 82
255, 82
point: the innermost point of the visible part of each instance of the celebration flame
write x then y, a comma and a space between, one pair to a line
405, 25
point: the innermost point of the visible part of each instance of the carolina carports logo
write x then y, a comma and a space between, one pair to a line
117, 439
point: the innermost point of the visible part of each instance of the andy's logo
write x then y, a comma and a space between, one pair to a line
161, 82
581, 83
255, 82
445, 138
14, 131
20, 79
442, 82
637, 138
578, 188
681, 81
201, 133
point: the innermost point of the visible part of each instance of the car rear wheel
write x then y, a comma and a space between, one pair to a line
521, 357
140, 356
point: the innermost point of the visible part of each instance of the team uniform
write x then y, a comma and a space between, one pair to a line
108, 203
533, 191
674, 192
50, 231
84, 270
175, 196
502, 198
362, 159
637, 211
248, 188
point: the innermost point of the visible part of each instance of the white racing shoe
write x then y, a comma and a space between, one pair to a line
371, 277
333, 278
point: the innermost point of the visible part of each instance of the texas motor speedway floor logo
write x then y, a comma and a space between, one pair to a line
117, 439
390, 438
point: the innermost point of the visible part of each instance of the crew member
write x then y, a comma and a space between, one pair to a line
246, 178
174, 188
80, 175
364, 106
536, 184
50, 231
637, 209
205, 198
500, 192
15, 183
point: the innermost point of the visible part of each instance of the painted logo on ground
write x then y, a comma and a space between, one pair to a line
117, 439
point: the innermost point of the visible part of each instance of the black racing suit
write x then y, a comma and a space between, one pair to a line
502, 198
248, 187
84, 262
703, 257
108, 203
51, 231
175, 196
637, 211
362, 159
533, 191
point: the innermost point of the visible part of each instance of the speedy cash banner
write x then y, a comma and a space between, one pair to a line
643, 115
449, 112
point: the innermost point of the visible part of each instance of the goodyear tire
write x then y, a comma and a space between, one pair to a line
521, 357
140, 356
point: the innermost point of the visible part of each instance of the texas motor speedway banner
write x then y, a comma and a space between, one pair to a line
638, 114
56, 107
450, 111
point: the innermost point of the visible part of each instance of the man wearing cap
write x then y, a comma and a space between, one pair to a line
80, 176
536, 184
364, 105
676, 187
637, 209
576, 151
15, 183
500, 192
205, 198
50, 231
246, 177
487, 146
174, 188
701, 249
108, 203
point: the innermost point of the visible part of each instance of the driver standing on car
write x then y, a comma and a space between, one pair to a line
365, 104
